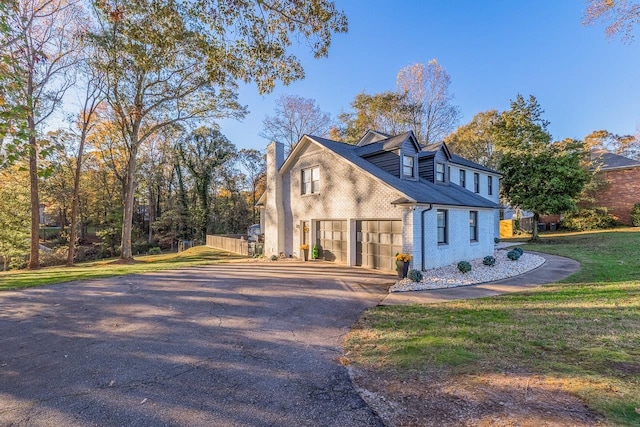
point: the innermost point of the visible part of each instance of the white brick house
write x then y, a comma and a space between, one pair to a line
361, 204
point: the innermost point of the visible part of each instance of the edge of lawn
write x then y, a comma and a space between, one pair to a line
199, 255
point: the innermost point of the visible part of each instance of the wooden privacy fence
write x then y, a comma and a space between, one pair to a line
238, 246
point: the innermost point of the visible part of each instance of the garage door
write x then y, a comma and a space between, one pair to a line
331, 237
377, 242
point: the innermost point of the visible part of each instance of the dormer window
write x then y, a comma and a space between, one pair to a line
407, 166
311, 180
440, 172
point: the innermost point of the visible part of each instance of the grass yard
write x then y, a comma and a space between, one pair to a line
581, 336
198, 255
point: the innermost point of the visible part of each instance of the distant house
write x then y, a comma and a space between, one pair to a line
361, 204
623, 183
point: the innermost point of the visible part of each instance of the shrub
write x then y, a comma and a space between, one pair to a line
274, 257
155, 251
315, 252
496, 240
588, 219
489, 261
141, 246
519, 250
635, 215
514, 255
415, 275
57, 256
464, 266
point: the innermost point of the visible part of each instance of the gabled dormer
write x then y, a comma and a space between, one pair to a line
433, 163
372, 136
397, 155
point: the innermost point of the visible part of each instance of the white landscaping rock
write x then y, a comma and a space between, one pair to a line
450, 277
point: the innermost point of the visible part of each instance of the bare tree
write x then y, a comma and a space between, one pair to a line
294, 117
428, 103
43, 53
620, 17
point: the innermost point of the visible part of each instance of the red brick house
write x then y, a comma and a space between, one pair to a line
623, 184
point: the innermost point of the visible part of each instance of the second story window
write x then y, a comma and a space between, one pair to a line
311, 180
476, 182
407, 166
440, 172
490, 185
463, 178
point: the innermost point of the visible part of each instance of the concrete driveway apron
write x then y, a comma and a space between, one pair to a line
225, 345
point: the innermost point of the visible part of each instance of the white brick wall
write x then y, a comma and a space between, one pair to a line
274, 235
484, 188
346, 193
459, 246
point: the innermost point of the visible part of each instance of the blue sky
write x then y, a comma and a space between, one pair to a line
493, 50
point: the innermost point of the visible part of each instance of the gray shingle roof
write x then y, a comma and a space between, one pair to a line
421, 191
468, 163
607, 160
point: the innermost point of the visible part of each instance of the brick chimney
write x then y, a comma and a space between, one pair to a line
274, 235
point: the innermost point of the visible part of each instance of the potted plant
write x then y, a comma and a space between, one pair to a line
402, 264
304, 251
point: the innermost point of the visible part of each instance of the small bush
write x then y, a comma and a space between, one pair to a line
635, 215
589, 219
155, 251
464, 266
489, 261
514, 255
57, 256
496, 240
274, 257
415, 276
519, 250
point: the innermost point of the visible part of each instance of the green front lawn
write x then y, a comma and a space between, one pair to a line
99, 269
583, 333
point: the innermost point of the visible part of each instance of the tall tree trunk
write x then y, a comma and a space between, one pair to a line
34, 260
534, 234
74, 203
152, 210
127, 215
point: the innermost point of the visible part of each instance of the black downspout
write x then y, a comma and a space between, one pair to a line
422, 237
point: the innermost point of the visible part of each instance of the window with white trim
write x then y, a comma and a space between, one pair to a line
440, 172
407, 166
476, 182
311, 180
463, 178
442, 226
473, 226
490, 185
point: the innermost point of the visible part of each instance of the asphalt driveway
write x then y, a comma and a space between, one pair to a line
223, 345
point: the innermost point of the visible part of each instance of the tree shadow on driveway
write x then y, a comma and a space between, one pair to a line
230, 344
